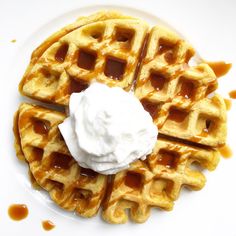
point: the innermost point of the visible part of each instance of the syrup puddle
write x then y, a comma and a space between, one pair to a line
232, 94
226, 151
48, 225
18, 211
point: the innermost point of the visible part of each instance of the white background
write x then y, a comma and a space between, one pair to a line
208, 25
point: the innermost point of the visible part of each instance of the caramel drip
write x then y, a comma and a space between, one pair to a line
232, 94
48, 225
133, 180
18, 211
226, 151
220, 68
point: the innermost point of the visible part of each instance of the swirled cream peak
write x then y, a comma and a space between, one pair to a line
107, 129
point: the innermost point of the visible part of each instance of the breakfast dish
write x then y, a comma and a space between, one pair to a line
105, 46
155, 182
51, 164
154, 65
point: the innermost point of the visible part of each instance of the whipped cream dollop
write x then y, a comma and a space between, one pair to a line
107, 129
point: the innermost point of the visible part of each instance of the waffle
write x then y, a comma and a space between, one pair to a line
70, 186
157, 181
104, 47
177, 95
156, 65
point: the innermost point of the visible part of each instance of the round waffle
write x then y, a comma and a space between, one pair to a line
154, 64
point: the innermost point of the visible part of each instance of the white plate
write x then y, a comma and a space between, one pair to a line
209, 27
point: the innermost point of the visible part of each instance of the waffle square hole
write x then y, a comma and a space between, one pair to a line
86, 59
187, 89
206, 126
37, 154
50, 76
177, 115
40, 126
168, 48
61, 53
124, 35
196, 166
115, 68
133, 180
150, 107
95, 33
82, 194
77, 86
169, 159
158, 81
160, 186
60, 161
88, 173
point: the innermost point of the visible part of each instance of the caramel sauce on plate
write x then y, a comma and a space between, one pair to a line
18, 211
232, 94
48, 225
226, 151
220, 68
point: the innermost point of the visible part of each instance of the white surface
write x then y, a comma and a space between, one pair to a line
208, 25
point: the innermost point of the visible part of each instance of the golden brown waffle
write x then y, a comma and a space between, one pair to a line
70, 186
157, 181
176, 94
121, 51
105, 50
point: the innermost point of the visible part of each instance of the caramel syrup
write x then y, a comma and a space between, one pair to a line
226, 151
157, 81
220, 68
150, 107
177, 115
40, 127
37, 154
48, 225
133, 180
232, 94
88, 173
18, 211
168, 159
60, 161
187, 90
77, 86
115, 68
61, 53
228, 104
86, 60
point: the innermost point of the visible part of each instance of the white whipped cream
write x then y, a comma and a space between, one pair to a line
107, 129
